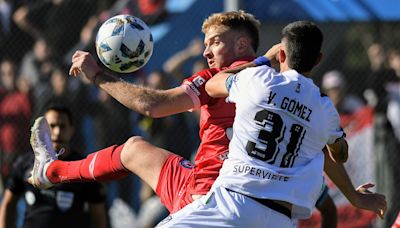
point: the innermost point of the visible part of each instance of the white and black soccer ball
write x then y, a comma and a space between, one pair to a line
124, 43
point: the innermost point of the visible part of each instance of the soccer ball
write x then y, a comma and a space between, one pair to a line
124, 43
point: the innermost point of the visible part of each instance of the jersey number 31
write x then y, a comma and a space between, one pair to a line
273, 137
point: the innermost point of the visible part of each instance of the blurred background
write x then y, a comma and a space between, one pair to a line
360, 71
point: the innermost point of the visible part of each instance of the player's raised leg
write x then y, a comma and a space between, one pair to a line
111, 163
144, 159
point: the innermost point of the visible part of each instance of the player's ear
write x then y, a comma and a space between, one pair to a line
242, 44
282, 56
318, 60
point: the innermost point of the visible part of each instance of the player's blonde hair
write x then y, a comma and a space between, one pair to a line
237, 20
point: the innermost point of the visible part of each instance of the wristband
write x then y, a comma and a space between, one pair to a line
262, 60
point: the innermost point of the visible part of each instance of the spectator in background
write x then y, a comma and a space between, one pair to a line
59, 21
71, 91
385, 143
393, 109
103, 11
394, 61
150, 11
175, 64
335, 86
375, 92
164, 132
36, 68
63, 205
393, 113
13, 42
15, 114
107, 132
86, 41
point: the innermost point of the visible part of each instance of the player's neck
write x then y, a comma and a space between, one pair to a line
285, 68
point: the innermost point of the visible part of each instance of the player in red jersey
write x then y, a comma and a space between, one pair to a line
231, 39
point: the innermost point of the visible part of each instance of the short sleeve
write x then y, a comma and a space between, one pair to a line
247, 80
334, 129
233, 87
16, 180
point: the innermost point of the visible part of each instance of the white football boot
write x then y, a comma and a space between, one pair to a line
44, 153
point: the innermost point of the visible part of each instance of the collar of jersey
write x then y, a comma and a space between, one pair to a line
295, 74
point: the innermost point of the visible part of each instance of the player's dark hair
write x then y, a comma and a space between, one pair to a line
60, 108
303, 42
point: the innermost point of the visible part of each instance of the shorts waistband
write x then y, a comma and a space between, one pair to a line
270, 204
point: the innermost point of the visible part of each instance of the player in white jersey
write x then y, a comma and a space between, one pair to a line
282, 123
273, 174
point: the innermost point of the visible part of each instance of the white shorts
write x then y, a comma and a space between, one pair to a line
223, 208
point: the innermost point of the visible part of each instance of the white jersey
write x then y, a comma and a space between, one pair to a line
282, 123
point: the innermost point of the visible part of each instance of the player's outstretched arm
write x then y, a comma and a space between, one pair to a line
147, 101
339, 151
216, 86
361, 197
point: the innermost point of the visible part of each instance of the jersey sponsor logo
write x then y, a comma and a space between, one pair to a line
262, 173
198, 81
187, 164
64, 200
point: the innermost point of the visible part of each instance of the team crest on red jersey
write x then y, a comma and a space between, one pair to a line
187, 164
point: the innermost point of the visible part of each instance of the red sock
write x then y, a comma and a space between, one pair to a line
103, 165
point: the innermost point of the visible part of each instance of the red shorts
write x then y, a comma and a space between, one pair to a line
175, 177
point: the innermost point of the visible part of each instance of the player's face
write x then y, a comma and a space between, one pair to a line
220, 46
61, 129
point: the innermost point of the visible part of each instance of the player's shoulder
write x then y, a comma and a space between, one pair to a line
327, 104
203, 75
258, 74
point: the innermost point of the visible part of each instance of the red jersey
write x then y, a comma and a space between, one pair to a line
15, 114
216, 116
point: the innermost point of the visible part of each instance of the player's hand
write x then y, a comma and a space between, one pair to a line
84, 63
273, 54
370, 201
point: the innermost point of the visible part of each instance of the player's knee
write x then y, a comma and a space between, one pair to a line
131, 149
